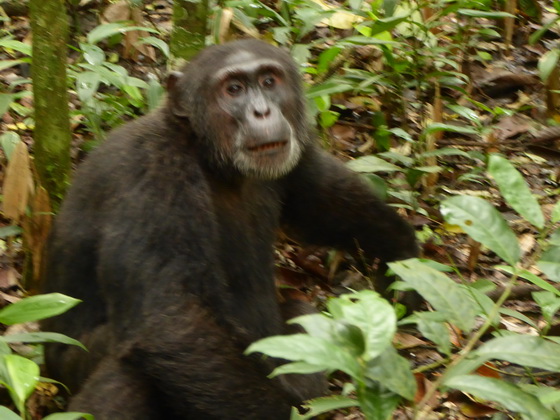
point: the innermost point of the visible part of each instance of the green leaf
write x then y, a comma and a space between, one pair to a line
328, 88
508, 395
157, 43
87, 84
325, 404
340, 333
393, 371
6, 64
533, 278
483, 14
436, 127
386, 24
6, 100
555, 213
21, 376
483, 223
465, 112
69, 416
515, 190
312, 350
6, 414
443, 294
19, 46
547, 63
37, 307
372, 314
549, 263
9, 140
93, 54
109, 29
376, 402
434, 329
41, 337
371, 164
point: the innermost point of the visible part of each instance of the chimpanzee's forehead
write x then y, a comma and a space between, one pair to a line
246, 62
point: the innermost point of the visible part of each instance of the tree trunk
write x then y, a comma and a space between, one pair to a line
49, 24
189, 27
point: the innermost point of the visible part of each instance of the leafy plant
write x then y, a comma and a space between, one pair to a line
355, 335
19, 374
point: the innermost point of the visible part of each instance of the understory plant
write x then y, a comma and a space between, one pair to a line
355, 334
20, 374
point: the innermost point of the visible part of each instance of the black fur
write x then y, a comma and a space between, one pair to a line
170, 246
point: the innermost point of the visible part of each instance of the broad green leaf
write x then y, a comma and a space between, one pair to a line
21, 375
533, 278
69, 416
515, 190
340, 333
549, 263
393, 371
311, 350
87, 84
483, 223
41, 337
325, 404
435, 331
9, 140
555, 213
37, 307
443, 294
371, 164
465, 112
7, 414
386, 24
6, 100
328, 88
547, 63
524, 350
377, 402
157, 43
435, 127
19, 46
93, 54
6, 64
445, 151
508, 395
109, 29
372, 314
483, 14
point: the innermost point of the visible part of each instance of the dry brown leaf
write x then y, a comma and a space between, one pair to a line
116, 12
36, 229
18, 183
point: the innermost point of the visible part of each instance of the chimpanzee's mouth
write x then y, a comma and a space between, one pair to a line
268, 146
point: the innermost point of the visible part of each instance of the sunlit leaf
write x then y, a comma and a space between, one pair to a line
19, 46
443, 293
325, 404
109, 29
41, 337
515, 190
483, 14
435, 127
483, 223
550, 263
372, 314
69, 416
21, 375
37, 307
7, 414
504, 393
547, 63
372, 164
311, 350
393, 371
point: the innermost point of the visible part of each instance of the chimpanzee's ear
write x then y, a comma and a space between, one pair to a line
175, 95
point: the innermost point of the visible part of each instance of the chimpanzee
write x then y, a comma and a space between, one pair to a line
167, 236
